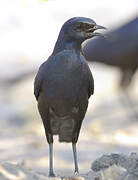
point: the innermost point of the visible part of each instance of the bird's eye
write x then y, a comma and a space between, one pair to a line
83, 26
92, 25
88, 26
77, 27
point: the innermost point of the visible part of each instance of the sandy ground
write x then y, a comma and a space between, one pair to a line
107, 167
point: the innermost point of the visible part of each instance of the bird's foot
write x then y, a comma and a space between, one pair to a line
76, 172
51, 174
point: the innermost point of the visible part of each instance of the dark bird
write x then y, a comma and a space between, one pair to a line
119, 48
64, 84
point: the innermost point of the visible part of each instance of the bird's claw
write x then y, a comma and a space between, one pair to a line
51, 174
76, 173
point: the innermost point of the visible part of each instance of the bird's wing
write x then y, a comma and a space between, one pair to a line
44, 70
38, 82
91, 83
89, 77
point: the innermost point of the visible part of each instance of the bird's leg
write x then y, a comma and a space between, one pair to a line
51, 172
76, 172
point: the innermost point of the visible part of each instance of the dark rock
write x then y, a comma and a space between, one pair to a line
117, 167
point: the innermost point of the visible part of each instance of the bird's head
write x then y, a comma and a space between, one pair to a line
80, 29
74, 32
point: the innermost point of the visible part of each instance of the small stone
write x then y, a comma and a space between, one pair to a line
103, 162
113, 172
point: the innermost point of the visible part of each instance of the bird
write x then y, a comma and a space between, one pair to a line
64, 84
119, 48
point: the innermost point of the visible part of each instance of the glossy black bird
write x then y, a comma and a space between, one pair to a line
64, 84
119, 48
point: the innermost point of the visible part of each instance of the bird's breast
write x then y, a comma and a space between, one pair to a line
65, 77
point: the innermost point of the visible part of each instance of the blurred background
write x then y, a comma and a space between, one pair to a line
28, 31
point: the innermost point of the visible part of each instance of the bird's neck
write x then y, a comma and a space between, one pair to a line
66, 44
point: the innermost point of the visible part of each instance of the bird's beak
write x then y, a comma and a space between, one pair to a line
99, 27
96, 28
